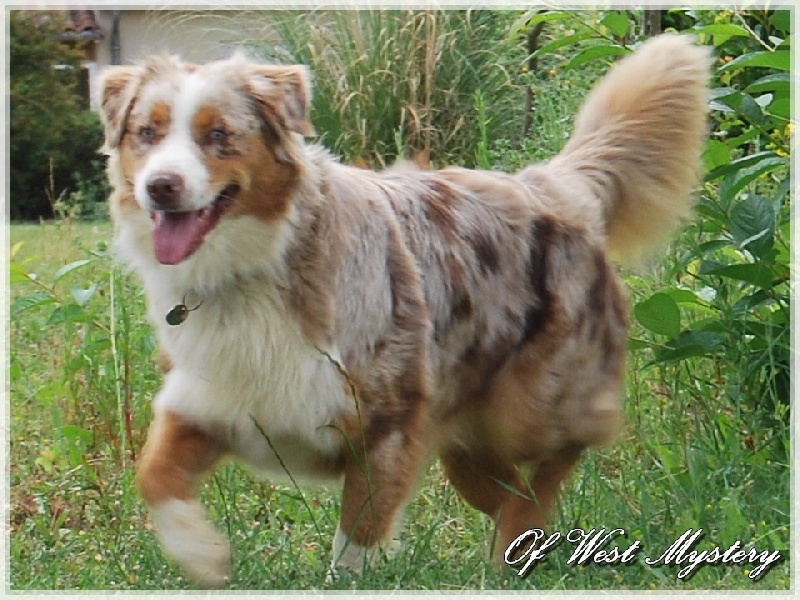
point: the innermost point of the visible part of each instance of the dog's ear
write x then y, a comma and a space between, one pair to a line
282, 93
117, 87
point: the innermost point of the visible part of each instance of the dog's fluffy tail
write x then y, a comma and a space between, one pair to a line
633, 160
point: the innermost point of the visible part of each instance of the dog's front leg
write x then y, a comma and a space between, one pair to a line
377, 484
174, 458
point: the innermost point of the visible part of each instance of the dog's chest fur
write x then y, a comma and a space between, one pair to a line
244, 371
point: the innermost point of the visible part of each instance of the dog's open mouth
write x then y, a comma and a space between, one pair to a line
177, 235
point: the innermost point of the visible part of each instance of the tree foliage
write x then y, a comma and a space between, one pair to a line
53, 137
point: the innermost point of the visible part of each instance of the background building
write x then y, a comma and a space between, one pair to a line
110, 37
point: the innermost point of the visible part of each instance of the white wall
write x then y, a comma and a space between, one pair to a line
195, 35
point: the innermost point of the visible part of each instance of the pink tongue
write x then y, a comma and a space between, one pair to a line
177, 234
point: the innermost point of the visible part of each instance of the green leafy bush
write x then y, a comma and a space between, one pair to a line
94, 315
741, 252
728, 311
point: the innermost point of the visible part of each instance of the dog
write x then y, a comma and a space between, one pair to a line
343, 326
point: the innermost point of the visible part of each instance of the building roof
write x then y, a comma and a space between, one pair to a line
80, 25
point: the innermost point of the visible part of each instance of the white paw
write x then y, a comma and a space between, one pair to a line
349, 555
189, 538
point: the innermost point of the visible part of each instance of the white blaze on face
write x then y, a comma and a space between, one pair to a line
178, 155
179, 152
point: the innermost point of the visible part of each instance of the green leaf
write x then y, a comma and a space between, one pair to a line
715, 155
672, 355
561, 42
668, 458
721, 107
747, 136
738, 179
28, 302
16, 274
782, 20
636, 344
756, 274
784, 187
548, 16
751, 302
595, 52
77, 440
717, 218
751, 110
67, 313
770, 83
708, 340
781, 105
723, 92
727, 30
739, 163
81, 295
68, 268
659, 314
690, 344
711, 246
753, 224
528, 20
617, 22
772, 60
73, 433
682, 296
725, 99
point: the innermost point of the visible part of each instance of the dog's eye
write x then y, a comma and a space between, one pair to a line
147, 134
217, 135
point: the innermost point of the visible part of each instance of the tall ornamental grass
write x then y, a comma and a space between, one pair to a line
392, 83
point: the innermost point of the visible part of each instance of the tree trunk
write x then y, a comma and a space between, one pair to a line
652, 22
533, 65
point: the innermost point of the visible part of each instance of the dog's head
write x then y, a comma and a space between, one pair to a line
195, 145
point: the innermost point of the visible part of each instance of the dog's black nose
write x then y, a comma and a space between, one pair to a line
165, 189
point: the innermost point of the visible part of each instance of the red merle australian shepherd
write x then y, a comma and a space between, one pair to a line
347, 326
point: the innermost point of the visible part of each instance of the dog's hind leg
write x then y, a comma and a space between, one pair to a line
497, 489
485, 483
376, 487
534, 509
173, 460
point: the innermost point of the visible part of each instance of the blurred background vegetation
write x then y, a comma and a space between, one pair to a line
54, 165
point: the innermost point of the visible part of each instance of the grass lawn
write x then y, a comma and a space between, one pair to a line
81, 380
